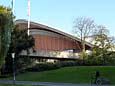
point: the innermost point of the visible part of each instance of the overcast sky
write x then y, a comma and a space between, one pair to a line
62, 13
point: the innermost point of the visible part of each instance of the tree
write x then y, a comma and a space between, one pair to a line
6, 24
20, 41
84, 27
103, 43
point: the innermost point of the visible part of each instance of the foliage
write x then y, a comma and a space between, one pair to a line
67, 63
6, 23
103, 45
20, 41
43, 67
52, 66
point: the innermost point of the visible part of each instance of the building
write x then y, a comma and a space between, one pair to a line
50, 42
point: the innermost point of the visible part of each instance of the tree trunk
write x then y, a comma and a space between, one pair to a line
83, 48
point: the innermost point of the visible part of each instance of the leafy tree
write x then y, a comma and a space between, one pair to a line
103, 43
6, 23
84, 27
20, 41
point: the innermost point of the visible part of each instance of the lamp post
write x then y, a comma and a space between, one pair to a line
13, 56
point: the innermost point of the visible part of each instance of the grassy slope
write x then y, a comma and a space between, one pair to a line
80, 74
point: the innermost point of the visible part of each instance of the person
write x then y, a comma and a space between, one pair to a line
97, 75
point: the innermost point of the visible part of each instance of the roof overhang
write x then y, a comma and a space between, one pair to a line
35, 25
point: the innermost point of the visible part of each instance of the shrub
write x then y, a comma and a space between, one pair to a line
67, 63
43, 67
52, 66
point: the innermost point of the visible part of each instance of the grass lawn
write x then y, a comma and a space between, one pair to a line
77, 74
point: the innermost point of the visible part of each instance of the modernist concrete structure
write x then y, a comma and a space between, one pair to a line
52, 42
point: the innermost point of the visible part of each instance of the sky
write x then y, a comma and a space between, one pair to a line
62, 13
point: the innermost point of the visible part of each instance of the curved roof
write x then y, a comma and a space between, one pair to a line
38, 25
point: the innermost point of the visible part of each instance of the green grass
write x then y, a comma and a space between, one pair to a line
78, 74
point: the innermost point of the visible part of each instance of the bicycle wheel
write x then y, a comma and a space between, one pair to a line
98, 82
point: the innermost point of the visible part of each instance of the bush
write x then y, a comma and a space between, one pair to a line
67, 63
52, 66
97, 60
43, 67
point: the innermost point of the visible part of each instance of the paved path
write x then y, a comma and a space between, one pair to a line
47, 83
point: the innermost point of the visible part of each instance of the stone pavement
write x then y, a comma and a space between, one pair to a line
47, 83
